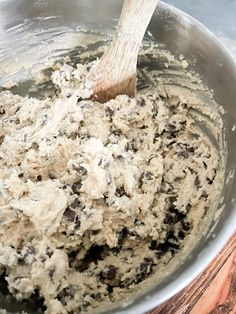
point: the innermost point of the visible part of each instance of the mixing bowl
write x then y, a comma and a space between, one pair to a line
34, 32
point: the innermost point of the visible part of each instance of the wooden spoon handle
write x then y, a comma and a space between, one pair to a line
134, 20
135, 17
115, 73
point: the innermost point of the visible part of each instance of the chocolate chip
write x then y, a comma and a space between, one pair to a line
51, 272
191, 149
171, 127
197, 182
80, 170
146, 266
188, 207
141, 102
183, 125
172, 135
171, 144
209, 181
110, 289
171, 236
117, 132
49, 252
43, 259
143, 272
67, 292
181, 235
156, 137
93, 255
145, 176
21, 175
174, 248
97, 296
95, 232
148, 175
206, 209
109, 273
161, 249
153, 245
77, 223
120, 157
138, 222
103, 163
195, 136
120, 191
172, 200
76, 187
35, 146
122, 236
167, 188
72, 256
76, 203
133, 234
186, 225
184, 154
39, 178
131, 146
175, 217
1, 139
192, 171
35, 304
170, 220
204, 195
109, 112
177, 179
70, 214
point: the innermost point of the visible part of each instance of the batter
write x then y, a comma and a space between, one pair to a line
96, 198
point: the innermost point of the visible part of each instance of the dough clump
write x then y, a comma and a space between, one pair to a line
95, 197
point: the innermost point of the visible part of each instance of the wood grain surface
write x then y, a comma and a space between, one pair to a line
213, 292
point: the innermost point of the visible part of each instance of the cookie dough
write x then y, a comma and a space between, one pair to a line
95, 199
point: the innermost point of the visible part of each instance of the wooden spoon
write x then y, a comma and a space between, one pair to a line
115, 73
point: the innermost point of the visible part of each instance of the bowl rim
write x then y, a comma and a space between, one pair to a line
158, 294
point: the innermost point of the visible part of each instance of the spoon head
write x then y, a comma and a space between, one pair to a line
105, 91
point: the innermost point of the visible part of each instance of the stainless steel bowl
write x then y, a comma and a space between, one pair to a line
28, 25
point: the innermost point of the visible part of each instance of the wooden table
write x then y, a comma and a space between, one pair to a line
213, 292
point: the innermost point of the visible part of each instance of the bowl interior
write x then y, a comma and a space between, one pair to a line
27, 26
